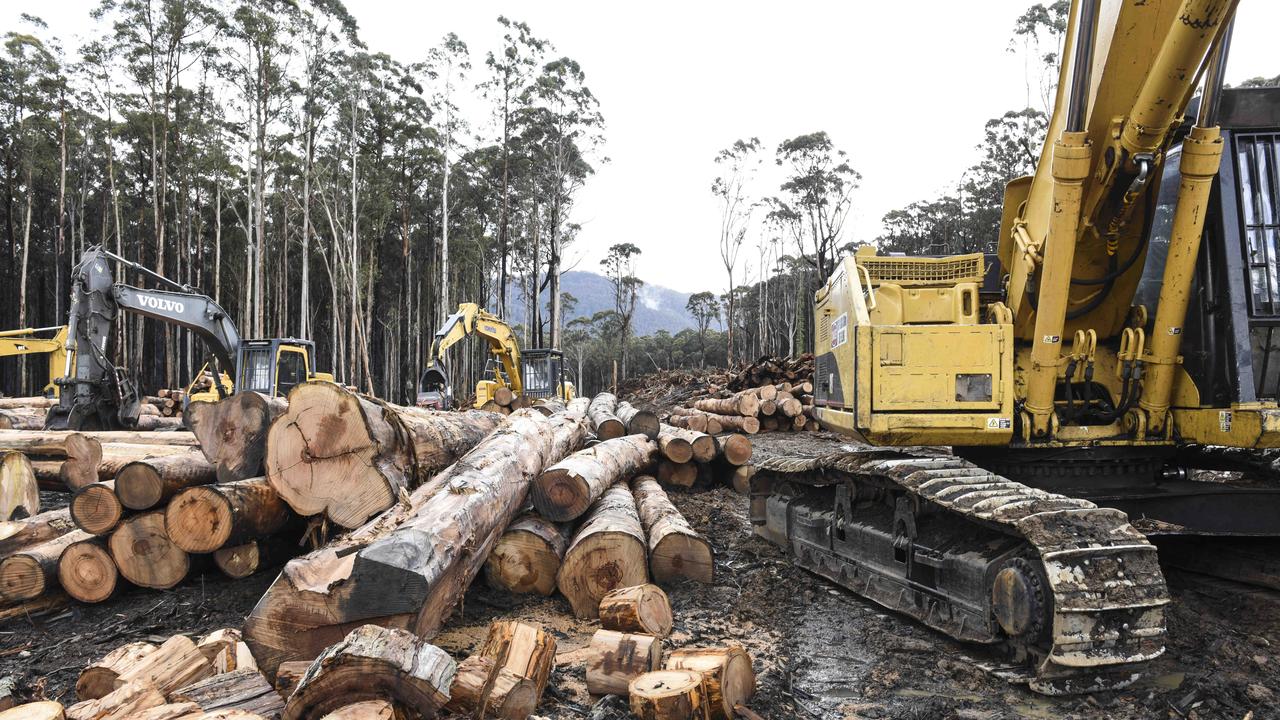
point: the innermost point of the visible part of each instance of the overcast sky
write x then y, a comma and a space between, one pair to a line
903, 87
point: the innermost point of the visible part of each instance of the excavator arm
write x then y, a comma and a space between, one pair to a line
469, 319
26, 342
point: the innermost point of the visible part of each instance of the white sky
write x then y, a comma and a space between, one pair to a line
904, 87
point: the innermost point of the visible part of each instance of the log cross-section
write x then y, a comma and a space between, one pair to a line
233, 431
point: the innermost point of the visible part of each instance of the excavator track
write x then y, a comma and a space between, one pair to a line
1080, 588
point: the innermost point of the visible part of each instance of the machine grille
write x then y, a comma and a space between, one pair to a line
909, 271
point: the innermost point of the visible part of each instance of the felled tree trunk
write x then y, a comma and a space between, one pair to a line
86, 571
410, 566
527, 556
205, 519
564, 491
681, 475
727, 675
702, 447
32, 571
374, 663
22, 419
90, 461
607, 553
144, 553
695, 423
735, 449
96, 509
349, 457
19, 491
145, 484
638, 422
18, 534
155, 423
637, 609
603, 419
233, 432
675, 548
668, 695
745, 403
614, 659
53, 442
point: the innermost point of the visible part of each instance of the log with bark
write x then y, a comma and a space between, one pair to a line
702, 446
53, 442
675, 548
125, 702
637, 609
735, 449
527, 556
686, 421
745, 404
727, 675
145, 484
86, 571
19, 491
36, 401
607, 553
702, 421
614, 659
99, 678
349, 457
681, 475
522, 648
241, 561
668, 695
374, 663
16, 535
90, 461
410, 566
564, 491
208, 518
638, 422
157, 423
39, 710
741, 479
33, 571
606, 423
289, 674
144, 553
22, 419
233, 432
245, 690
96, 509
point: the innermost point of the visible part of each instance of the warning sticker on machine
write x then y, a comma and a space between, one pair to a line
999, 423
1224, 420
1051, 339
1175, 331
840, 331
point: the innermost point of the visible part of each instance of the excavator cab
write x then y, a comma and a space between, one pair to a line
274, 366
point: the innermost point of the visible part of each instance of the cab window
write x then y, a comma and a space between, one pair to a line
256, 373
292, 370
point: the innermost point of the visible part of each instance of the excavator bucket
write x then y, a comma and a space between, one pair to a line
434, 390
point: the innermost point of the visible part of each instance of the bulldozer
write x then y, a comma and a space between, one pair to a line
1018, 445
534, 373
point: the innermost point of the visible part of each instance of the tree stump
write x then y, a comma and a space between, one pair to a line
86, 570
527, 556
614, 659
205, 519
728, 677
145, 555
668, 695
607, 553
675, 548
638, 609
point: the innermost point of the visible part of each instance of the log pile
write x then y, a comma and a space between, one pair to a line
166, 402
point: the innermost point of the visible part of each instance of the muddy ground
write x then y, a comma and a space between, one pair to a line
819, 651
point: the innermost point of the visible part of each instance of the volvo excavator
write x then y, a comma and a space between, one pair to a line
98, 395
533, 373
1016, 444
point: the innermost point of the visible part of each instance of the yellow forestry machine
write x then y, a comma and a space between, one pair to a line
1128, 343
32, 341
534, 373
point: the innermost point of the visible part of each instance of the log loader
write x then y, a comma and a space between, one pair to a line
1016, 448
32, 341
96, 394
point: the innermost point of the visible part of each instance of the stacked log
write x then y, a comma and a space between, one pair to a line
603, 418
607, 553
165, 403
207, 519
86, 571
32, 571
638, 422
564, 491
675, 548
527, 557
19, 491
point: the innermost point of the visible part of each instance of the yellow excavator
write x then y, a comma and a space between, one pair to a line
534, 373
1020, 440
29, 341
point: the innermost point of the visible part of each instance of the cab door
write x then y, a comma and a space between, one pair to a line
291, 368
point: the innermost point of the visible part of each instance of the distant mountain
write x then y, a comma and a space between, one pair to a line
658, 308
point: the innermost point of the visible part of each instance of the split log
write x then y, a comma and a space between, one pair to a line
53, 442
241, 561
601, 412
745, 404
696, 423
289, 674
144, 553
681, 475
400, 569
614, 659
37, 401
349, 457
41, 710
727, 676
564, 491
168, 711
527, 556
145, 484
219, 648
176, 663
482, 689
96, 509
245, 690
638, 422
16, 535
524, 649
33, 571
123, 703
637, 609
86, 571
19, 492
99, 678
668, 695
607, 553
675, 548
368, 710
233, 432
735, 449
374, 663
90, 461
205, 519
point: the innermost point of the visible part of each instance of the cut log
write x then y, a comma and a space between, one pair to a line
33, 571
36, 401
675, 548
176, 663
289, 674
47, 476
368, 710
638, 422
482, 689
766, 392
90, 461
768, 407
122, 703
219, 648
233, 432
745, 404
511, 697
144, 553
524, 649
527, 556
18, 534
741, 479
96, 509
668, 695
19, 491
601, 412
735, 449
727, 675
86, 571
674, 447
245, 690
42, 710
400, 569
702, 445
681, 475
157, 423
100, 678
22, 419
84, 455
607, 553
8, 688
241, 561
695, 423
53, 442
374, 663
205, 519
349, 457
145, 484
614, 659
564, 491
637, 609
